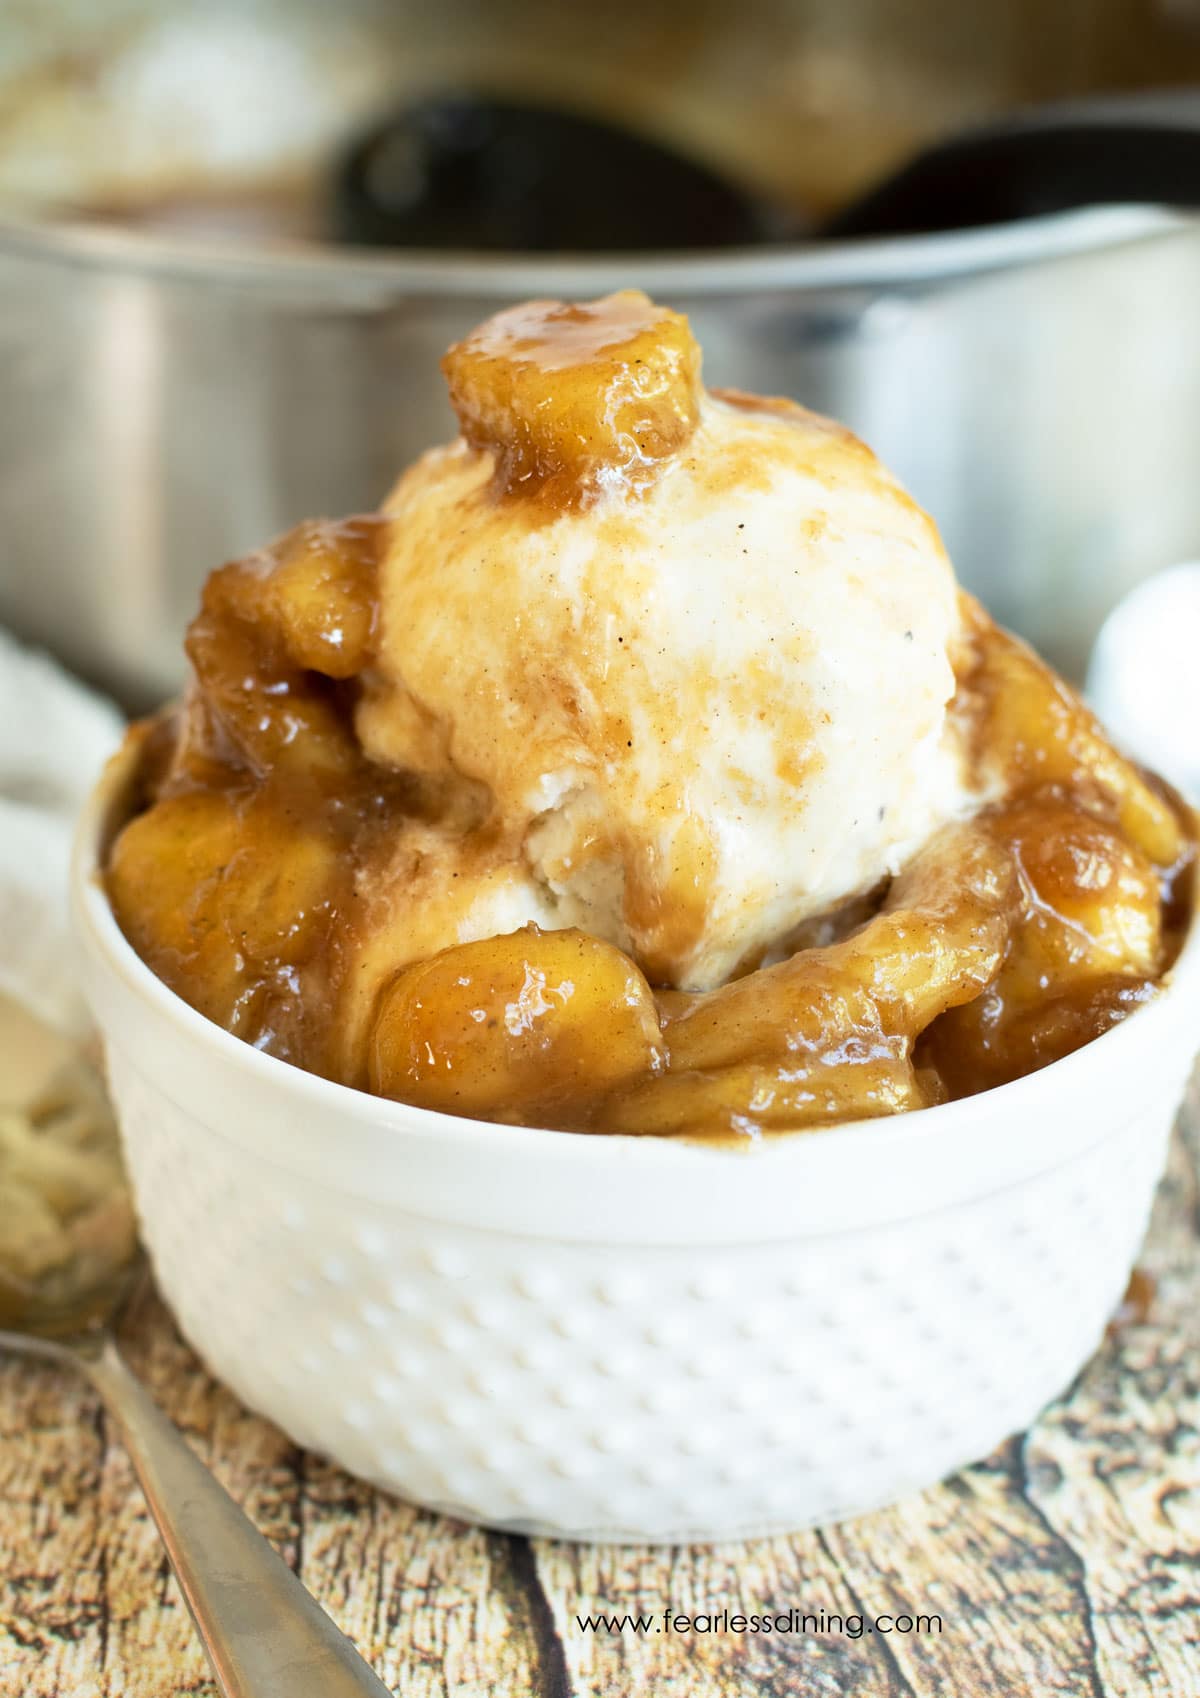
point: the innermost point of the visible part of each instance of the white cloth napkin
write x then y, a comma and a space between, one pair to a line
55, 736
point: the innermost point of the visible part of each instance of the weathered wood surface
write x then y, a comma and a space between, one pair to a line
1067, 1563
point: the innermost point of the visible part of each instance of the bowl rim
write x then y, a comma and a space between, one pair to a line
97, 929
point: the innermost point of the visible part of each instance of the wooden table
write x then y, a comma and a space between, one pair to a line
1066, 1563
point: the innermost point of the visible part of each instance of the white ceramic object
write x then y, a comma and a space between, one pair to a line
631, 1339
1144, 680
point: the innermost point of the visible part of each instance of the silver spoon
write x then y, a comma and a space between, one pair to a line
265, 1635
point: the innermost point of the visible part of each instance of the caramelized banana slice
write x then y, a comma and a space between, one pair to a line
579, 398
163, 871
1091, 902
990, 1043
1033, 730
244, 711
828, 1034
273, 633
1086, 945
937, 942
311, 596
527, 1027
225, 897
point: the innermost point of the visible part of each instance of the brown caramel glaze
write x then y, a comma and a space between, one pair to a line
238, 883
1104, 856
1031, 730
264, 846
828, 1034
573, 399
535, 1046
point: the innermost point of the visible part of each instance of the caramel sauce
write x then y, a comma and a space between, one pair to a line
238, 883
265, 844
571, 400
248, 880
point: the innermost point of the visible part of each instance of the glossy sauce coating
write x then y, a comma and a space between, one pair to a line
291, 885
1009, 941
571, 399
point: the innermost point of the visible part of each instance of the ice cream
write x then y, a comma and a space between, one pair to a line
639, 769
690, 650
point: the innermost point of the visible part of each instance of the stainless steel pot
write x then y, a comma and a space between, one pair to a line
169, 404
1037, 387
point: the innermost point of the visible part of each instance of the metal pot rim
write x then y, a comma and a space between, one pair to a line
357, 274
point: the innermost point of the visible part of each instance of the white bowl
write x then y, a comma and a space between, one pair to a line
620, 1338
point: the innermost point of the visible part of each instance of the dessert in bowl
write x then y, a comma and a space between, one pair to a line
636, 1010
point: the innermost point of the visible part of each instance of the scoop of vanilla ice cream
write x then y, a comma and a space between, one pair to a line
693, 646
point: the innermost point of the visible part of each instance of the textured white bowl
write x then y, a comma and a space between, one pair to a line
631, 1339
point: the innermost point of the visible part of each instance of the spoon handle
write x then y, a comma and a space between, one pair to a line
265, 1635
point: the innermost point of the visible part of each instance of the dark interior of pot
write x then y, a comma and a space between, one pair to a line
239, 120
